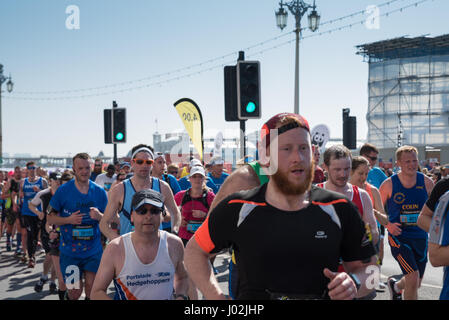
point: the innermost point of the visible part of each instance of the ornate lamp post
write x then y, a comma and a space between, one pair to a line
298, 8
9, 87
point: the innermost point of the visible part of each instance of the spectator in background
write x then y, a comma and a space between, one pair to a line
319, 173
184, 182
106, 180
375, 176
98, 169
444, 170
173, 169
216, 172
158, 171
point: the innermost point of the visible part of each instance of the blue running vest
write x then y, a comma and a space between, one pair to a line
405, 205
28, 195
125, 214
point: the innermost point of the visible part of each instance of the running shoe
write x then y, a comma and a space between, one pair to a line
381, 287
53, 288
24, 258
31, 262
394, 295
38, 286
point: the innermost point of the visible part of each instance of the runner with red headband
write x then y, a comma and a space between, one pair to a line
303, 229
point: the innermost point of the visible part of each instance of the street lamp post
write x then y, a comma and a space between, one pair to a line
298, 8
9, 87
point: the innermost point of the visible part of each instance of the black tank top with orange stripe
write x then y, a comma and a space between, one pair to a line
285, 251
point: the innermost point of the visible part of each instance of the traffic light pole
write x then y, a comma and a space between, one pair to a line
114, 105
242, 122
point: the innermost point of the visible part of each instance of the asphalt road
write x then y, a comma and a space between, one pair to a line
17, 281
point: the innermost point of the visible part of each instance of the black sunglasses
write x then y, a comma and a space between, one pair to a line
143, 211
372, 158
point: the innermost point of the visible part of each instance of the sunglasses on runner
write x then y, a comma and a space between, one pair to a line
31, 168
141, 161
372, 158
142, 211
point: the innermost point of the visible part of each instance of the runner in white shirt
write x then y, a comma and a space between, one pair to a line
147, 263
106, 180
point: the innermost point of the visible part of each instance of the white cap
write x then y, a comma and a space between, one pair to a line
195, 162
216, 160
197, 169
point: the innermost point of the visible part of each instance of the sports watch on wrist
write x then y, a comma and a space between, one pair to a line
356, 280
180, 296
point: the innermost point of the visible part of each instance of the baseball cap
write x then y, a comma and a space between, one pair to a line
195, 162
147, 196
55, 176
197, 169
273, 122
125, 164
216, 160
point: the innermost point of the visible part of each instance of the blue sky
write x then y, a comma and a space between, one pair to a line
120, 42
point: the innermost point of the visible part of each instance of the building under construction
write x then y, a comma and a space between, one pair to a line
408, 104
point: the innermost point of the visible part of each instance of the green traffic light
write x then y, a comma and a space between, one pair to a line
119, 136
250, 107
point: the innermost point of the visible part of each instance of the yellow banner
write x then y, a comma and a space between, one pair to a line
191, 116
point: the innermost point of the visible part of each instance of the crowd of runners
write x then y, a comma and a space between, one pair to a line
298, 224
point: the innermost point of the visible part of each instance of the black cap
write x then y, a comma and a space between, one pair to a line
55, 176
147, 196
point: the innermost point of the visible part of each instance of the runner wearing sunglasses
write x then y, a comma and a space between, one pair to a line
120, 196
147, 263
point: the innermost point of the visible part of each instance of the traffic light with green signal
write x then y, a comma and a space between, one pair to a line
118, 125
248, 90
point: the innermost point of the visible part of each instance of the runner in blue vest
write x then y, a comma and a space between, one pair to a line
120, 196
404, 195
29, 187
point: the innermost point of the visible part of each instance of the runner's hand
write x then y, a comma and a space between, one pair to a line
394, 228
341, 286
76, 217
40, 215
95, 214
198, 214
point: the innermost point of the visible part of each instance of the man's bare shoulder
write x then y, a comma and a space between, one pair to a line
243, 178
116, 191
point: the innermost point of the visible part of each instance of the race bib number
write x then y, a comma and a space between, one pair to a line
409, 219
83, 233
192, 226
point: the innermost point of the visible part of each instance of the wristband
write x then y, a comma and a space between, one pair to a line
180, 296
356, 280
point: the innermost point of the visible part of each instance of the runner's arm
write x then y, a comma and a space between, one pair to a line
110, 213
5, 190
378, 208
54, 218
438, 255
181, 283
367, 273
105, 273
200, 271
368, 215
171, 206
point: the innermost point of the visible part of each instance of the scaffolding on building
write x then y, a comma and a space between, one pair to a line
408, 88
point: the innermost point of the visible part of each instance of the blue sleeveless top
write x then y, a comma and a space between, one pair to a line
125, 214
28, 195
405, 205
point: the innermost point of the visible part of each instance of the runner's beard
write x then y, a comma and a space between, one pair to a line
288, 188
